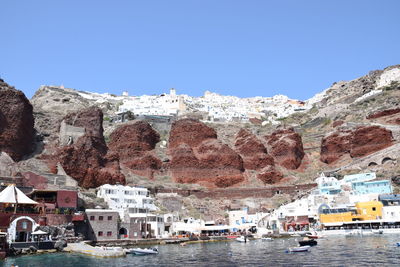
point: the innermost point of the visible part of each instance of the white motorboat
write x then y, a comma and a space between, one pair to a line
242, 239
142, 251
299, 249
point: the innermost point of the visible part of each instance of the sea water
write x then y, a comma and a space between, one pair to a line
375, 250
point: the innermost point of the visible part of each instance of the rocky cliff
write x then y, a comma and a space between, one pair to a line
197, 156
17, 134
349, 122
286, 146
358, 142
135, 144
87, 159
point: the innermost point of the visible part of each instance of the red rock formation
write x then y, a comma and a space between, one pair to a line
134, 144
337, 123
383, 113
367, 140
358, 143
269, 175
88, 119
88, 160
197, 156
255, 121
252, 150
335, 146
191, 132
286, 147
16, 123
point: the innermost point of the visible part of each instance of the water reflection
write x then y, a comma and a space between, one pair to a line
380, 250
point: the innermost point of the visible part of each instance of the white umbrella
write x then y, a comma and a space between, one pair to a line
39, 232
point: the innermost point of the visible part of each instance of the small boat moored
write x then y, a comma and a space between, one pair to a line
308, 242
299, 249
142, 251
242, 239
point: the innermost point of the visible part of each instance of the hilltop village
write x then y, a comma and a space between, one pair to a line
80, 166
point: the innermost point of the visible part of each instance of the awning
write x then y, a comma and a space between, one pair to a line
215, 228
13, 195
39, 232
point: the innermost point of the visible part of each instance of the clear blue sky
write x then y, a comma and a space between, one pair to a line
244, 48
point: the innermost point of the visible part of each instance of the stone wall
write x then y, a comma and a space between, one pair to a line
70, 134
239, 193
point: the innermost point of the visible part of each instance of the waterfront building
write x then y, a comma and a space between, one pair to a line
390, 199
187, 226
328, 185
372, 187
127, 199
364, 211
359, 177
103, 224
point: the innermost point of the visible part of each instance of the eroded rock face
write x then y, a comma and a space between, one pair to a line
191, 132
269, 175
252, 150
335, 146
134, 144
16, 123
383, 113
197, 156
358, 142
88, 160
286, 147
91, 119
367, 140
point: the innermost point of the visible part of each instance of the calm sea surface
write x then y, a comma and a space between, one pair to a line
379, 250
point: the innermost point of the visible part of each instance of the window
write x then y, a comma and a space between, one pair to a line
92, 218
109, 233
109, 218
100, 218
24, 225
100, 233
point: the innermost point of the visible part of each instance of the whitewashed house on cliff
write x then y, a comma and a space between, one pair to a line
127, 199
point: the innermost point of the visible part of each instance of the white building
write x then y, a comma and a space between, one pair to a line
127, 199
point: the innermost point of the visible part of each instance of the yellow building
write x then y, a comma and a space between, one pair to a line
336, 217
371, 210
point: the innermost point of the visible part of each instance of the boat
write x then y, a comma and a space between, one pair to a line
241, 239
267, 239
299, 249
142, 251
377, 231
308, 242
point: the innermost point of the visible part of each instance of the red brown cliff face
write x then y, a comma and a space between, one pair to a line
286, 147
389, 116
383, 113
16, 123
197, 156
191, 132
91, 119
88, 160
253, 152
367, 140
335, 146
134, 144
269, 175
358, 143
